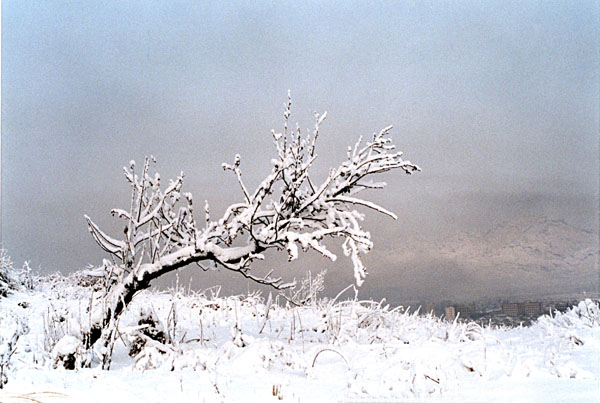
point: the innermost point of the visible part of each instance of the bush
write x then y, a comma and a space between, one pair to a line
8, 280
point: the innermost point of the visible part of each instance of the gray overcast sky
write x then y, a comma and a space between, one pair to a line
498, 102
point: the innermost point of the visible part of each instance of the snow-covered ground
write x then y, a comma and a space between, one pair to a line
249, 349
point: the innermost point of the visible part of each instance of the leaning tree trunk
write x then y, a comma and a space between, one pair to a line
104, 320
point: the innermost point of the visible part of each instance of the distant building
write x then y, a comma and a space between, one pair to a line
530, 308
450, 313
510, 309
465, 311
522, 308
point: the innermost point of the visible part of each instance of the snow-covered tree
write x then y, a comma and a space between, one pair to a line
286, 211
6, 273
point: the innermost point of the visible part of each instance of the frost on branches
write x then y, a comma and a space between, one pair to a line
287, 210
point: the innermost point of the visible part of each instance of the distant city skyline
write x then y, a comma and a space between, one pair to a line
497, 102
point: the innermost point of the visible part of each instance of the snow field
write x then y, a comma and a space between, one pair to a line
233, 349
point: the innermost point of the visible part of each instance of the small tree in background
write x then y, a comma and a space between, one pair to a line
286, 211
7, 280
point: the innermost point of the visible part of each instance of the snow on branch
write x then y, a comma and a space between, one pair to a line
286, 211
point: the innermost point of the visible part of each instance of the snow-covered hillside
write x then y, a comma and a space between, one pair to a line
203, 347
531, 244
527, 256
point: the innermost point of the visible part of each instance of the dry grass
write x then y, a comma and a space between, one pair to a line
35, 397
